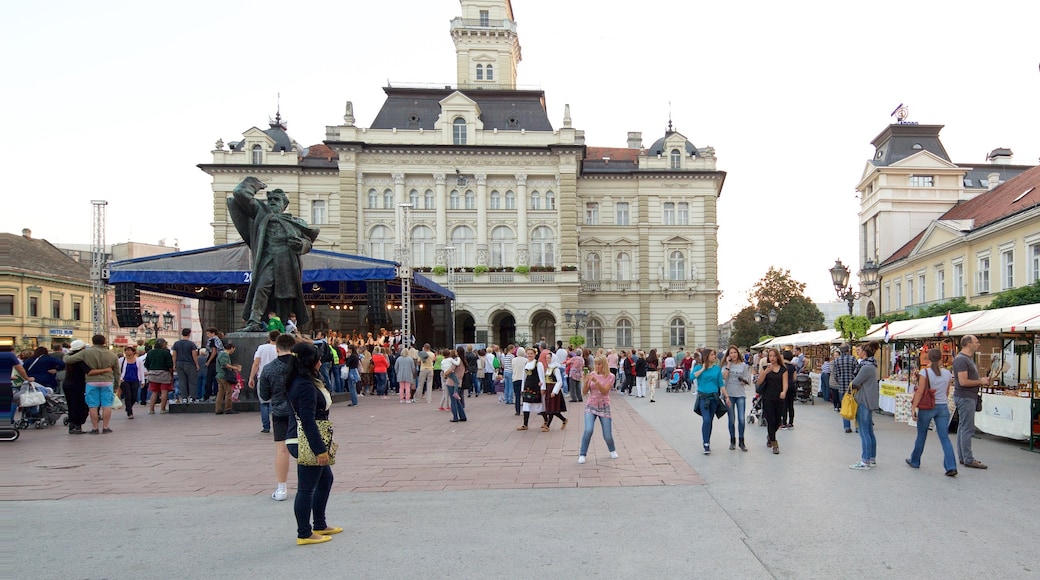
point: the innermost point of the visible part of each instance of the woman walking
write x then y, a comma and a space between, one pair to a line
597, 387
653, 372
711, 393
936, 379
772, 384
519, 361
534, 386
555, 406
310, 401
866, 392
736, 374
131, 371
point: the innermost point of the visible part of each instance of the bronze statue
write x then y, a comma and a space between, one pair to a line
277, 240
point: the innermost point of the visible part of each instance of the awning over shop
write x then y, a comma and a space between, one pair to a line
1014, 319
814, 337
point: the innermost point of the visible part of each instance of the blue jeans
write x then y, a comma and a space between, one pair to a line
200, 385
337, 377
314, 482
507, 393
707, 404
825, 389
326, 375
381, 384
489, 382
353, 378
566, 384
941, 415
586, 436
736, 415
866, 434
458, 412
265, 416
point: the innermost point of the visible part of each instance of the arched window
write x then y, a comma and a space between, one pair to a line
464, 241
422, 246
496, 199
676, 266
458, 127
258, 155
318, 214
624, 332
592, 266
676, 159
536, 200
413, 198
542, 247
455, 200
381, 243
677, 332
388, 199
490, 72
550, 200
480, 72
510, 200
471, 199
373, 199
594, 333
429, 198
624, 266
503, 247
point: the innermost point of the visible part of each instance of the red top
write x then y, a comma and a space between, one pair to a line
379, 363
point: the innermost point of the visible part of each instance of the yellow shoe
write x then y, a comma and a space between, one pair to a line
318, 540
328, 531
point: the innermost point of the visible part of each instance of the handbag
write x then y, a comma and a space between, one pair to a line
927, 400
30, 397
721, 410
117, 403
304, 454
849, 406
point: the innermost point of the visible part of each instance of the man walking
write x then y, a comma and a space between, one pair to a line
271, 386
186, 363
102, 379
966, 383
844, 370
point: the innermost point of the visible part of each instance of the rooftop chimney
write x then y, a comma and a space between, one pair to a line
27, 233
635, 140
994, 179
1000, 156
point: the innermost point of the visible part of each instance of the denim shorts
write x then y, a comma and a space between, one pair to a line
99, 396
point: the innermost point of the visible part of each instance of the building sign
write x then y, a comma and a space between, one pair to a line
62, 332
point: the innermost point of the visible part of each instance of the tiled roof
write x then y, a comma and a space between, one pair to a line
407, 108
1016, 195
320, 156
23, 254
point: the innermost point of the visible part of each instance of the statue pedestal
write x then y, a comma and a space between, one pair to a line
245, 349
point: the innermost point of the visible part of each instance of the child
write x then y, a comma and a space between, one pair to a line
500, 386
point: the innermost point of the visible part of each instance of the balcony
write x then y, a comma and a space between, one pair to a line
482, 24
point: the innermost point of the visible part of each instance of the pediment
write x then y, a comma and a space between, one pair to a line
255, 134
485, 58
624, 242
677, 241
457, 101
923, 160
592, 242
939, 233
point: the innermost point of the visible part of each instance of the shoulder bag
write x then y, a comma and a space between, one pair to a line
927, 400
30, 396
304, 454
849, 406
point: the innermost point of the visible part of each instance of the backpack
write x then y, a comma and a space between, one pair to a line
325, 352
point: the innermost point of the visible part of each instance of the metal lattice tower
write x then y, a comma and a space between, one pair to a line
406, 279
98, 274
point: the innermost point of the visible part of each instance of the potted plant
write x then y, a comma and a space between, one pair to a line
480, 269
440, 270
577, 341
522, 269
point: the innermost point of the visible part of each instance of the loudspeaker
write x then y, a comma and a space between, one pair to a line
377, 315
128, 305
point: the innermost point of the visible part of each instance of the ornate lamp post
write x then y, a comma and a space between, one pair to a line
770, 317
577, 319
868, 276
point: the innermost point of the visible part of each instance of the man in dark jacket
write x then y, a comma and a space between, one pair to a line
272, 387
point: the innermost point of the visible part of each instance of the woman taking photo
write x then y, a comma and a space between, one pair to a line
867, 395
772, 384
597, 387
310, 401
735, 374
711, 394
936, 379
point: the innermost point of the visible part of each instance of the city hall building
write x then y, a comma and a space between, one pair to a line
476, 187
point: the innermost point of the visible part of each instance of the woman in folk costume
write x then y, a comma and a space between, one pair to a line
555, 405
533, 389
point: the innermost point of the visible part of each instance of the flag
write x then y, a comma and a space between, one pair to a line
886, 331
947, 322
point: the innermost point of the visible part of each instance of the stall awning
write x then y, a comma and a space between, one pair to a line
1014, 319
802, 339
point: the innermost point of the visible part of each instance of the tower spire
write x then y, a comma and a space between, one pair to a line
669, 116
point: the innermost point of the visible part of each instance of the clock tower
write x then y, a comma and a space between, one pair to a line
487, 48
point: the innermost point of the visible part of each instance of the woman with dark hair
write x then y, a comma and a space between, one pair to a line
75, 387
463, 372
310, 401
938, 380
772, 384
866, 392
653, 372
159, 364
452, 367
44, 367
711, 394
736, 374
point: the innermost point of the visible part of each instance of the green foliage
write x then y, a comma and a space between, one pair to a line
776, 291
852, 328
577, 341
522, 269
1017, 297
959, 304
480, 269
440, 270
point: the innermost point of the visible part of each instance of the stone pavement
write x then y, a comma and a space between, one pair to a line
187, 496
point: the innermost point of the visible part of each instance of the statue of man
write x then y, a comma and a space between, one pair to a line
277, 240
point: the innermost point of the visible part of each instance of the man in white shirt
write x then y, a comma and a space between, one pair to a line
265, 353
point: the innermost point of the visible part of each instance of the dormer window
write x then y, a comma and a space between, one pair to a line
480, 72
458, 127
258, 155
676, 158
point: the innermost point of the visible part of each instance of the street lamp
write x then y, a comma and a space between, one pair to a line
151, 322
450, 256
577, 319
868, 277
133, 334
769, 317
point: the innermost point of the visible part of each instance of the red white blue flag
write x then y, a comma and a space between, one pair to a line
886, 331
947, 322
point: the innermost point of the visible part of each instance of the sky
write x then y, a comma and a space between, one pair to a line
121, 100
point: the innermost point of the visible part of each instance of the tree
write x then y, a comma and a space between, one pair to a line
1017, 297
776, 291
852, 328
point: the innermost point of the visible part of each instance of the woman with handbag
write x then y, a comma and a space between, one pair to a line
711, 394
159, 364
930, 403
737, 374
555, 406
772, 385
596, 388
534, 386
867, 393
310, 401
10, 364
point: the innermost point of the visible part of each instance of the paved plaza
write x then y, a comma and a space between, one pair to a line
188, 496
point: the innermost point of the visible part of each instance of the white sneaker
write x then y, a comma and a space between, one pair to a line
581, 460
613, 454
280, 495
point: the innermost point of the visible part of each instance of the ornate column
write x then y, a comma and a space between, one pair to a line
442, 220
482, 206
521, 220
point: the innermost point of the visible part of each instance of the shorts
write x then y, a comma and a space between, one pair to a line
280, 426
99, 396
156, 387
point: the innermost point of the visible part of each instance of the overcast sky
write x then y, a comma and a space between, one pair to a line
121, 100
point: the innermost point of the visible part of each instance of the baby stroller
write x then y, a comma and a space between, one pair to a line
676, 382
45, 415
755, 416
803, 389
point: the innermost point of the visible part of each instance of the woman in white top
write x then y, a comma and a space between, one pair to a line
533, 389
937, 379
518, 364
